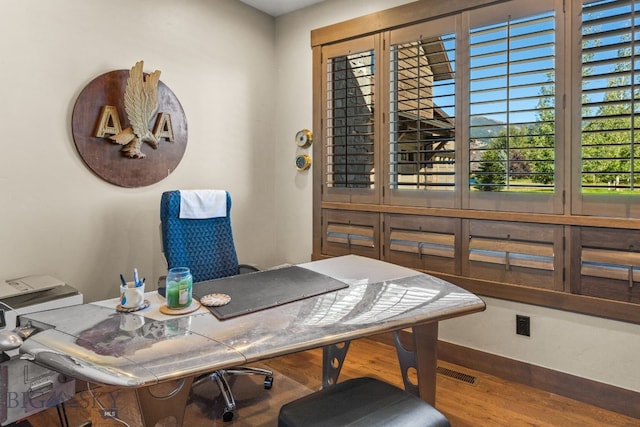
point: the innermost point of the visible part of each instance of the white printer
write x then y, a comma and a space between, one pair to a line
26, 388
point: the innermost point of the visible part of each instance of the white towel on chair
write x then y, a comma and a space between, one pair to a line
203, 204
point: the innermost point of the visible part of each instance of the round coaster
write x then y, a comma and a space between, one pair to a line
142, 306
185, 310
215, 300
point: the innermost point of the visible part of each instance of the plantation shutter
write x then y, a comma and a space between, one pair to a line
610, 87
349, 121
512, 104
422, 129
422, 113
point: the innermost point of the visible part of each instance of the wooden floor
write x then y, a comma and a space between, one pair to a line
488, 401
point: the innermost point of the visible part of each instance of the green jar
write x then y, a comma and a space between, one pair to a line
179, 288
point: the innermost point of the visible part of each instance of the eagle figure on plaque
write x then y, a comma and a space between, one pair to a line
141, 105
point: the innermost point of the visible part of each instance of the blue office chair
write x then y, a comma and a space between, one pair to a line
205, 246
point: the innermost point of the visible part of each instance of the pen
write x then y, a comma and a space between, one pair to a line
135, 276
124, 282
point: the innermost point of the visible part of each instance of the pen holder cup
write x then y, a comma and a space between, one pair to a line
131, 296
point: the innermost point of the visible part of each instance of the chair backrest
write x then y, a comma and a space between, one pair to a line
204, 245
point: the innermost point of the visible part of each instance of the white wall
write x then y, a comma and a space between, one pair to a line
61, 219
585, 346
590, 347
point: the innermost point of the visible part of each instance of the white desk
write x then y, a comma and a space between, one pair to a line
93, 342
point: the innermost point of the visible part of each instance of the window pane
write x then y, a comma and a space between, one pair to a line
422, 114
512, 105
350, 138
610, 93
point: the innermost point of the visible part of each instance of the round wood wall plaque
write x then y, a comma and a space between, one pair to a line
102, 101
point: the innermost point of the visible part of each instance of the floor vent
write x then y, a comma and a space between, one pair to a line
457, 375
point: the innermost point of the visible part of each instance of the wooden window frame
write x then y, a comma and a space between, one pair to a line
568, 215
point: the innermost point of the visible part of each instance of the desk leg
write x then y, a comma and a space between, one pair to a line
332, 360
156, 403
423, 359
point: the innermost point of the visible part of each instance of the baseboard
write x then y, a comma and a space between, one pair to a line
594, 393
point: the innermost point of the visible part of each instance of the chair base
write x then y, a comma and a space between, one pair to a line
219, 377
360, 402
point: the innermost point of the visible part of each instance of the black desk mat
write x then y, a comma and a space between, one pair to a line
265, 289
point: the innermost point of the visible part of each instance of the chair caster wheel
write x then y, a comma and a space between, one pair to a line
268, 382
227, 416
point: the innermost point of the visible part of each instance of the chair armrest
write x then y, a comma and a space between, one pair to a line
247, 268
162, 285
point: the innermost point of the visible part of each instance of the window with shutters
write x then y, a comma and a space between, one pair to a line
490, 142
422, 114
610, 107
513, 133
349, 89
511, 104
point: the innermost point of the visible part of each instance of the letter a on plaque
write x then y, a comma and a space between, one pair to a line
109, 122
163, 127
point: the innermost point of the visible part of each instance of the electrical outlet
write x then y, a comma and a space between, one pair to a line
523, 325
